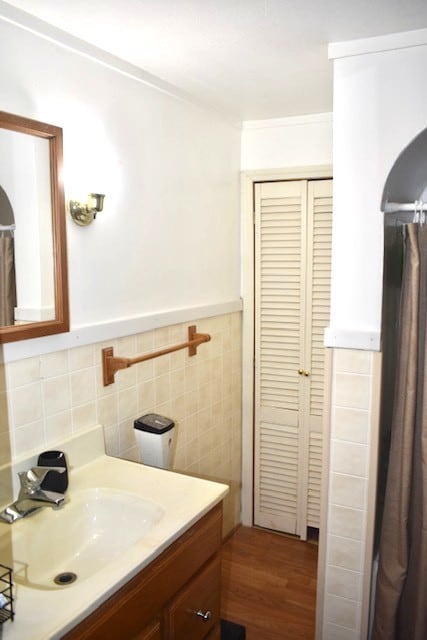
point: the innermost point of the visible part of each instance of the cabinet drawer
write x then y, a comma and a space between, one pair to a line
201, 594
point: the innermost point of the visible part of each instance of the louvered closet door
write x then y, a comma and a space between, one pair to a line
280, 230
292, 274
319, 235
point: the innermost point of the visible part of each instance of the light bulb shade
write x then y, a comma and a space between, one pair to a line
96, 201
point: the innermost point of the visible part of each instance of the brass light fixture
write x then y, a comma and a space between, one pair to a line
84, 214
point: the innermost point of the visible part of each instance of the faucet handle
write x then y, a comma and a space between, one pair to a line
31, 480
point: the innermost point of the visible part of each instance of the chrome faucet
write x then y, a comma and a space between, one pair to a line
31, 496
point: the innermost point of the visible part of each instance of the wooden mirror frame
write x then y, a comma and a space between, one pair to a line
60, 324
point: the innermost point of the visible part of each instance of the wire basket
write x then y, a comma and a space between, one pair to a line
6, 591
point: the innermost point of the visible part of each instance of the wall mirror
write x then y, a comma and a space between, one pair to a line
33, 254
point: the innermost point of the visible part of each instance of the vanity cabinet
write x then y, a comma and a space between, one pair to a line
176, 597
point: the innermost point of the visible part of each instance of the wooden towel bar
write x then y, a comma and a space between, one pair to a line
112, 364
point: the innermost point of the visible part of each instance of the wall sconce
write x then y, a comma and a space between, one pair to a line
84, 214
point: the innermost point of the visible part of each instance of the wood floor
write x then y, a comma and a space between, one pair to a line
269, 585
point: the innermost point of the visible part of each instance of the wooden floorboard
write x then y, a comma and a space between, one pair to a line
269, 585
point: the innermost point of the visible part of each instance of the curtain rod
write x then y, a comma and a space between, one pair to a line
396, 207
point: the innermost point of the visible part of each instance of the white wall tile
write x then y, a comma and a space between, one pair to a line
344, 552
28, 437
162, 388
352, 390
27, 404
81, 357
4, 412
83, 385
58, 426
341, 611
351, 425
56, 395
353, 361
84, 416
335, 632
112, 440
128, 403
347, 522
23, 372
349, 458
348, 491
5, 448
53, 364
107, 410
344, 583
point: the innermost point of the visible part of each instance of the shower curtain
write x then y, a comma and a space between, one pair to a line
7, 282
401, 592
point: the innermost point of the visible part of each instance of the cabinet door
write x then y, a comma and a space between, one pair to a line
151, 632
215, 634
195, 611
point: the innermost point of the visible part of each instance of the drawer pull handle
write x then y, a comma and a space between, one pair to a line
206, 616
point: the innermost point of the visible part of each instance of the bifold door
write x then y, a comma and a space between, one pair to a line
292, 292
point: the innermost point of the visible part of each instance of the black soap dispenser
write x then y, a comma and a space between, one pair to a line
57, 482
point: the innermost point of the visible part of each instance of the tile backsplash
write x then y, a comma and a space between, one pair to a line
49, 397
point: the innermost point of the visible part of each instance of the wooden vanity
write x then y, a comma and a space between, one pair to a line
176, 597
150, 588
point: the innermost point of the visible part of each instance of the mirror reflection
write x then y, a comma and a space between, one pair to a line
26, 256
7, 262
33, 277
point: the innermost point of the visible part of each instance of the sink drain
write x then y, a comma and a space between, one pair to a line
67, 577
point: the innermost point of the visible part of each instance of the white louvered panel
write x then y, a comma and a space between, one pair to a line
320, 208
279, 306
276, 497
314, 479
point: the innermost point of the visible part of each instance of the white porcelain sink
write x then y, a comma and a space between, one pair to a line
93, 528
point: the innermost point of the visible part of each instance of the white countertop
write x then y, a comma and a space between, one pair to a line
48, 614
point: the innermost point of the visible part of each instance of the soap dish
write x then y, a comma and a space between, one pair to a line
6, 594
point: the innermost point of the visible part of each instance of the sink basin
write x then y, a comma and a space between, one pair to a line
93, 528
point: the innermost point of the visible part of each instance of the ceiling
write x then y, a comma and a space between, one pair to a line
254, 59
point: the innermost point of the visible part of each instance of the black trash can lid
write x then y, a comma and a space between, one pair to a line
153, 423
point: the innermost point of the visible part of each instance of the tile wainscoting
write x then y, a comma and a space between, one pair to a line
347, 547
47, 397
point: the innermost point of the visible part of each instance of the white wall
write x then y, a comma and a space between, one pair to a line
287, 142
379, 107
169, 234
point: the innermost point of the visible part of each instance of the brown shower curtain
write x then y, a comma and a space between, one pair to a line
401, 592
7, 282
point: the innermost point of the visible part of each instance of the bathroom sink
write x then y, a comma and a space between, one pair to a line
93, 528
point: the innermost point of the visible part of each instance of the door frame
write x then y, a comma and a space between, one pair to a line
248, 180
